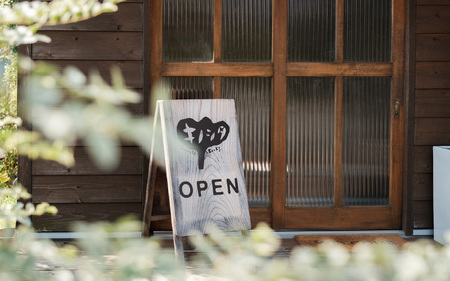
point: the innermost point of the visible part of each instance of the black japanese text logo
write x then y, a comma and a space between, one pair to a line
202, 135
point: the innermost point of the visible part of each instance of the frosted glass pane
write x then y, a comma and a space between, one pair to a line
310, 142
190, 87
246, 30
252, 98
188, 30
311, 30
367, 30
365, 164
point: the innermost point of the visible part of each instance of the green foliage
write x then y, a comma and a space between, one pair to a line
30, 16
67, 107
8, 110
29, 258
12, 210
100, 255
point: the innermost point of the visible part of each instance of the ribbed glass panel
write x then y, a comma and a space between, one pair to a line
252, 98
310, 141
367, 31
311, 30
365, 164
183, 88
246, 30
188, 30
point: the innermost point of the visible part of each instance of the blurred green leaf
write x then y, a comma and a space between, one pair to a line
45, 208
105, 150
4, 178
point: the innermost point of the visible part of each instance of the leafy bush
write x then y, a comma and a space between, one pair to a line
99, 255
8, 117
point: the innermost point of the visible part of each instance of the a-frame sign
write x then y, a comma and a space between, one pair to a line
204, 169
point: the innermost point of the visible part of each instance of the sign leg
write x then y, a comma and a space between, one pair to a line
178, 247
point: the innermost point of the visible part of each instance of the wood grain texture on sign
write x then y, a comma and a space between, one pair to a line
207, 193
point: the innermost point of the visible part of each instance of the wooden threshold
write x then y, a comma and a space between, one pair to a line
348, 218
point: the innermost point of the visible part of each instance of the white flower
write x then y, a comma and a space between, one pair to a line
64, 275
410, 266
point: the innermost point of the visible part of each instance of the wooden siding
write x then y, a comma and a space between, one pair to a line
83, 192
70, 213
431, 101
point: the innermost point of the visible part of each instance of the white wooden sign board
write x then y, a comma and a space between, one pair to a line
203, 165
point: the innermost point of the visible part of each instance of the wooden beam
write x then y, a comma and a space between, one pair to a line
369, 217
155, 41
337, 69
278, 126
397, 133
217, 69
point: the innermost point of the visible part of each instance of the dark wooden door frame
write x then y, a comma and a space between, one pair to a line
408, 174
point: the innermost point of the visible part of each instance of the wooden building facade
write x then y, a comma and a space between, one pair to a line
337, 129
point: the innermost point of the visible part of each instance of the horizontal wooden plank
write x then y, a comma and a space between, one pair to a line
432, 2
432, 103
423, 159
423, 214
432, 131
433, 19
87, 189
432, 47
432, 75
71, 213
266, 69
127, 18
423, 186
131, 70
134, 109
257, 215
334, 69
79, 45
162, 225
349, 218
217, 69
130, 164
